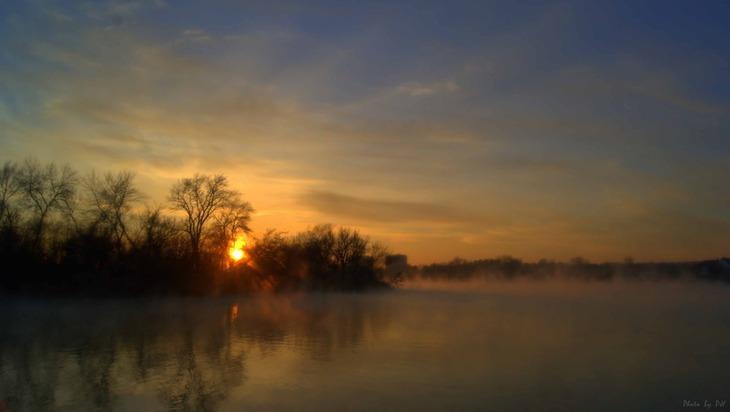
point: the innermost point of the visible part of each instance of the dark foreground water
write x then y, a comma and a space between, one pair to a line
523, 347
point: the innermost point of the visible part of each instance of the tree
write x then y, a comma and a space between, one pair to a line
232, 219
203, 198
45, 189
156, 231
316, 245
9, 189
112, 199
349, 249
274, 257
379, 253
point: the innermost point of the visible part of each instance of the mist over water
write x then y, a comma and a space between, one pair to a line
427, 346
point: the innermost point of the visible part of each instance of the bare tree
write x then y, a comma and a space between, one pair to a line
317, 245
378, 252
45, 189
232, 219
269, 251
9, 189
202, 198
112, 199
349, 248
156, 231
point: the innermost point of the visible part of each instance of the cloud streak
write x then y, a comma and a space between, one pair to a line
361, 209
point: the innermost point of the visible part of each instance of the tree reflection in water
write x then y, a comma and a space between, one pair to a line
182, 354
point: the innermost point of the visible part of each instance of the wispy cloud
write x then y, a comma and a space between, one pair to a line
197, 36
416, 89
339, 205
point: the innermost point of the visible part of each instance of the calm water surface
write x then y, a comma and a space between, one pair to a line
509, 347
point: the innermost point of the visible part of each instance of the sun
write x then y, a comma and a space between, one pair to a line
236, 251
237, 254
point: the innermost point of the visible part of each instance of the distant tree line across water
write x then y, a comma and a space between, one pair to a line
64, 233
510, 268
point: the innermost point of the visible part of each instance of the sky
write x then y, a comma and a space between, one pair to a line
452, 128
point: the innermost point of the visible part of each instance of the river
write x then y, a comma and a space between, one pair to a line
447, 347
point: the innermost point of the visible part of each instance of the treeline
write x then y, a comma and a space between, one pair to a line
510, 268
66, 233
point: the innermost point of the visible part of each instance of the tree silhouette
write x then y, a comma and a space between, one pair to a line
47, 188
201, 198
107, 247
156, 231
349, 249
232, 219
9, 189
112, 199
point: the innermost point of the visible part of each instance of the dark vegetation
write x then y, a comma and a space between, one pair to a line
62, 233
510, 268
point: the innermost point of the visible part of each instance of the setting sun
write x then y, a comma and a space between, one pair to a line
236, 250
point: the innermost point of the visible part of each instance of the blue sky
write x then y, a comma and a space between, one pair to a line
537, 129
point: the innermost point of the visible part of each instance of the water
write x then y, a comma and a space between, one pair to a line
505, 347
